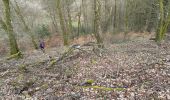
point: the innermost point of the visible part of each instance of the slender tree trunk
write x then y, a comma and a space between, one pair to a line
79, 23
159, 34
3, 25
166, 17
62, 24
105, 10
26, 28
69, 18
126, 19
109, 13
97, 16
166, 26
150, 24
85, 23
12, 40
115, 14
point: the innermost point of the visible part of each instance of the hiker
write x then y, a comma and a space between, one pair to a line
42, 46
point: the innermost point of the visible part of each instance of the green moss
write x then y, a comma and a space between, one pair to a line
104, 88
44, 86
90, 81
22, 68
17, 55
93, 61
87, 83
119, 89
52, 62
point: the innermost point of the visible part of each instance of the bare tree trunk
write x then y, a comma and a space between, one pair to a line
109, 13
79, 22
163, 22
97, 16
62, 24
69, 17
12, 40
150, 22
126, 19
84, 12
115, 14
3, 25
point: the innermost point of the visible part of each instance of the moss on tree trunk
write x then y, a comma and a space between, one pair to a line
97, 16
62, 24
163, 22
12, 40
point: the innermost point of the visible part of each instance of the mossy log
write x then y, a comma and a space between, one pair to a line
105, 88
17, 55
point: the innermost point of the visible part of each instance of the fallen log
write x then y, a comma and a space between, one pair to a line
17, 55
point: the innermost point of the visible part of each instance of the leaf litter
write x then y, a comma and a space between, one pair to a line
125, 71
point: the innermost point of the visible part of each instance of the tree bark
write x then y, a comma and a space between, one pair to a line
115, 16
12, 40
79, 23
97, 16
62, 24
3, 25
126, 19
163, 22
69, 17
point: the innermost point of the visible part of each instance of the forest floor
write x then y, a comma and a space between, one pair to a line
133, 70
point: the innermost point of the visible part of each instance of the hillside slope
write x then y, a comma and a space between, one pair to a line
132, 70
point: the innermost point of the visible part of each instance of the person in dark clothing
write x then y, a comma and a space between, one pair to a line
42, 45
